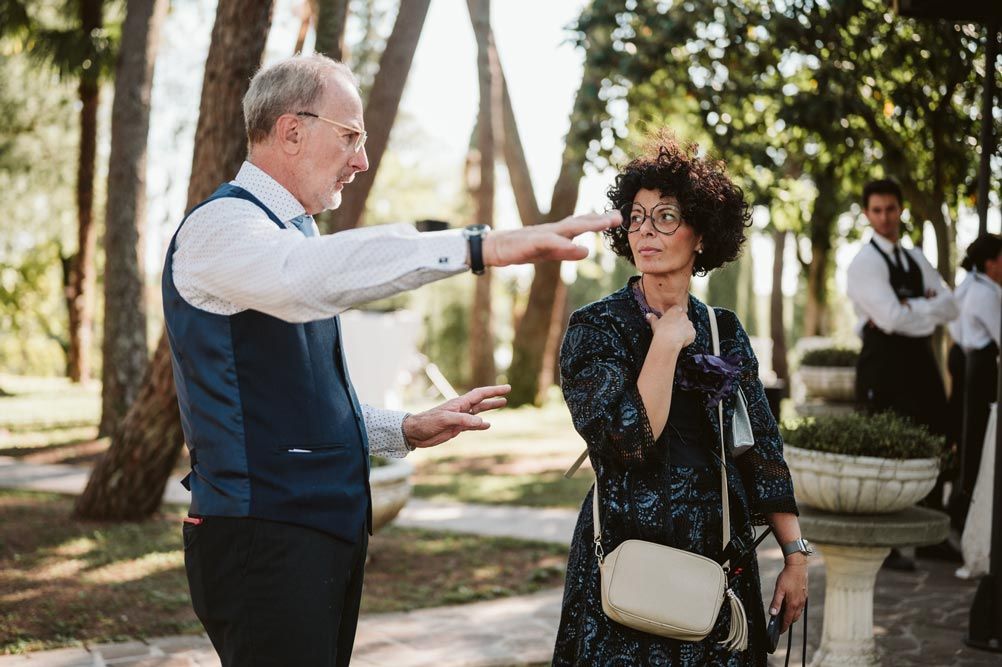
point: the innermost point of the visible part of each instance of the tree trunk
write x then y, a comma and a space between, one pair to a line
128, 481
777, 323
549, 372
305, 19
822, 228
749, 299
514, 153
483, 371
332, 15
238, 38
381, 108
532, 343
80, 289
124, 350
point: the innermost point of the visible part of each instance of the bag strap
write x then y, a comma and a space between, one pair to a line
715, 335
725, 502
789, 639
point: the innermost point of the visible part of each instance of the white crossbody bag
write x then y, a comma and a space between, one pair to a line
666, 591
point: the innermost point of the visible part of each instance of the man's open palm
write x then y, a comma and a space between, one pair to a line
445, 422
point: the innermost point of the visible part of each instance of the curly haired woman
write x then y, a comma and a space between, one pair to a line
653, 442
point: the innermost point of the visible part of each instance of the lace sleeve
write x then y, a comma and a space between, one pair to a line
763, 469
599, 382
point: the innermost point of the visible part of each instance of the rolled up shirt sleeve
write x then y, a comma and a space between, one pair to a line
231, 257
869, 288
942, 307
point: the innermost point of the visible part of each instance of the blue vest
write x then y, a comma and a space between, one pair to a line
269, 415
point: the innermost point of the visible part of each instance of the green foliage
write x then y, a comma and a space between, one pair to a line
37, 172
801, 92
830, 356
885, 435
732, 287
50, 33
369, 25
598, 276
447, 329
31, 314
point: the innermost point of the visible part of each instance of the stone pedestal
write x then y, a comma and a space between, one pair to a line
854, 546
390, 485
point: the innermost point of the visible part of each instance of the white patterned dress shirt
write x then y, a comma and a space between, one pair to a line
230, 257
869, 288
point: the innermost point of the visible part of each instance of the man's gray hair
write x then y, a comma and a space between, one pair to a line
289, 86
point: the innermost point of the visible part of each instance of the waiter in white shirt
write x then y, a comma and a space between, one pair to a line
276, 536
978, 329
900, 300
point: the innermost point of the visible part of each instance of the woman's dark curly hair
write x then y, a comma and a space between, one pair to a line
711, 203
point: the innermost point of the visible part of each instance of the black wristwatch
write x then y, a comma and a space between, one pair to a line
475, 237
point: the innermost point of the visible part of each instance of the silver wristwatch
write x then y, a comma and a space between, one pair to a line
799, 545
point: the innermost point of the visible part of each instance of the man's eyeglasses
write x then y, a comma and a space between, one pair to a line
360, 135
666, 218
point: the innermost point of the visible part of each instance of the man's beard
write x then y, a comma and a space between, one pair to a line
333, 201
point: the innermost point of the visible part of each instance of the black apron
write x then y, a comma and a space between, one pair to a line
981, 386
900, 373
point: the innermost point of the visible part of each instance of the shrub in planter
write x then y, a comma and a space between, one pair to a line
859, 463
830, 373
841, 357
883, 435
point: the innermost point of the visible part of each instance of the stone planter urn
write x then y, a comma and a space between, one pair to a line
859, 484
830, 383
390, 483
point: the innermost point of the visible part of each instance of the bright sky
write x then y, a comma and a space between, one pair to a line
542, 70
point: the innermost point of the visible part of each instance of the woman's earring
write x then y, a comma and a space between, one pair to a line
699, 251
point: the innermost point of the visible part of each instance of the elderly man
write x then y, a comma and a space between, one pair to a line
276, 537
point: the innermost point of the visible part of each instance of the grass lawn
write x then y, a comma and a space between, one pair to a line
520, 460
64, 582
503, 480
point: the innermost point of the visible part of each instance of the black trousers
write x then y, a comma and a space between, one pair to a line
274, 594
981, 378
956, 363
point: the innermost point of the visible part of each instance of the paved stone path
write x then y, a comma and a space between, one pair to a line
920, 618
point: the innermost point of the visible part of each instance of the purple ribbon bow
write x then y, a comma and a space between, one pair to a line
715, 376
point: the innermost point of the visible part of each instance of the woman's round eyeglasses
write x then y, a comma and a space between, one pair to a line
665, 218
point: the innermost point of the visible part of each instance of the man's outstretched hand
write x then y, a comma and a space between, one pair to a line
445, 422
552, 241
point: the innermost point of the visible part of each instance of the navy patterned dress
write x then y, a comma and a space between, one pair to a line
665, 490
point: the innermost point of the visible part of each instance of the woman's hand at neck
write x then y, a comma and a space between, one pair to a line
672, 332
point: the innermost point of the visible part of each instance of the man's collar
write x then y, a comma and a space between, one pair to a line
271, 193
885, 244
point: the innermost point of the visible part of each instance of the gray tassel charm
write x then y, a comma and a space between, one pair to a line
737, 640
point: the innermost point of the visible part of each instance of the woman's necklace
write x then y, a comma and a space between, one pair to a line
647, 308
